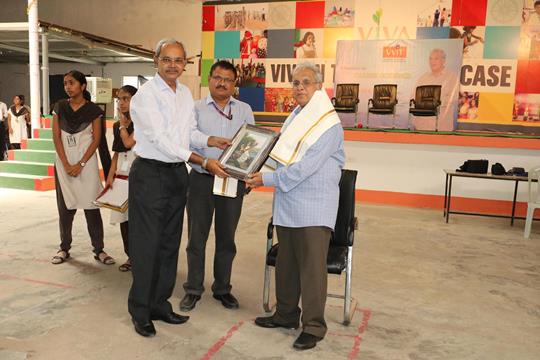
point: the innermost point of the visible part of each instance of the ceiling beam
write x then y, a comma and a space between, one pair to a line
13, 26
52, 55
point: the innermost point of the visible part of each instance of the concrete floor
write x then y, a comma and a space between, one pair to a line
425, 290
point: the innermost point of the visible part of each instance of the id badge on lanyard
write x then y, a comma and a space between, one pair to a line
71, 141
125, 164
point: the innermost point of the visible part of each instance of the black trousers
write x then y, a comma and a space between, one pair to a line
301, 272
201, 206
124, 230
157, 198
94, 223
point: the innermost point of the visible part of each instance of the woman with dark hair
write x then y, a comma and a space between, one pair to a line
18, 116
76, 136
122, 159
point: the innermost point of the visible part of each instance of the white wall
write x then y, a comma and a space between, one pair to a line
418, 169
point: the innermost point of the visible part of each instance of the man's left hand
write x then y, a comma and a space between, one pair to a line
214, 167
255, 180
219, 142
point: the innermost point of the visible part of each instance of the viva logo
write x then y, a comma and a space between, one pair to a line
388, 33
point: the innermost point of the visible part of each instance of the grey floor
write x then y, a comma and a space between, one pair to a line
424, 290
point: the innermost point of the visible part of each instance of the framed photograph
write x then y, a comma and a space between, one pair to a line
249, 150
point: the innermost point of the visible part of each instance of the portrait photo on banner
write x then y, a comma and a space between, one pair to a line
309, 43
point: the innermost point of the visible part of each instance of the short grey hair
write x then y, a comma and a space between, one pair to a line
168, 41
306, 65
440, 51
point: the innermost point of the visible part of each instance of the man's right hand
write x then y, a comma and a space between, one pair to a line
214, 167
219, 142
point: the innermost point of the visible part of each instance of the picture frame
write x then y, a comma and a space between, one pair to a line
249, 150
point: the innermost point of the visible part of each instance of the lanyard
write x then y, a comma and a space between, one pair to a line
222, 113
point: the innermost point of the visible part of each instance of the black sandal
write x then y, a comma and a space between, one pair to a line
58, 259
107, 260
125, 267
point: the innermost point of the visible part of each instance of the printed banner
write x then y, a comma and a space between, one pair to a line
408, 64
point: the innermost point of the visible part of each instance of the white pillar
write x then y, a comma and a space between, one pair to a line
45, 70
33, 45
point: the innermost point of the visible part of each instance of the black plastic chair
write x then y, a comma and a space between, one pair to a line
383, 102
340, 250
427, 102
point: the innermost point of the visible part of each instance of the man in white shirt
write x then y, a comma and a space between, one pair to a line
3, 132
439, 75
163, 116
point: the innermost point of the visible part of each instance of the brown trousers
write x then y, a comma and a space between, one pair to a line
301, 270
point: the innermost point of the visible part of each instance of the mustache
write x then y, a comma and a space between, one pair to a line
221, 87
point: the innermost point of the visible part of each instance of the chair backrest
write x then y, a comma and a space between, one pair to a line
342, 235
384, 96
428, 97
534, 196
346, 95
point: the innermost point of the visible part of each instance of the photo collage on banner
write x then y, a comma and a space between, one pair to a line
500, 51
265, 41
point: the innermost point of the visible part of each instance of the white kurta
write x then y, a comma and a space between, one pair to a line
18, 124
125, 159
79, 192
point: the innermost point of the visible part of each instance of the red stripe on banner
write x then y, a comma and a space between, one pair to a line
219, 344
355, 351
11, 155
24, 144
41, 282
50, 170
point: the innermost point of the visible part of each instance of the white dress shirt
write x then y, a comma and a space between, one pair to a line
164, 122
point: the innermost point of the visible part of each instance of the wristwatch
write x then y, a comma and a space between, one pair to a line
121, 127
82, 163
204, 163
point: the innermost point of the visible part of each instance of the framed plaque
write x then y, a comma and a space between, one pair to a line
249, 150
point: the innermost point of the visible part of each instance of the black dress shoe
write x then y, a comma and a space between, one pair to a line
144, 329
306, 341
227, 300
268, 322
171, 318
189, 301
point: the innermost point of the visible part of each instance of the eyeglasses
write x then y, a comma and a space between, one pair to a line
305, 83
219, 79
176, 61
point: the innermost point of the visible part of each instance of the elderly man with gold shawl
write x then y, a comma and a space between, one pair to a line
309, 156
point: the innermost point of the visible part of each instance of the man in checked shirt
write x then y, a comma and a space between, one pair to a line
309, 156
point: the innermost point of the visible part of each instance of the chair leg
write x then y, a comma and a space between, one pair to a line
348, 278
437, 122
367, 120
266, 289
528, 222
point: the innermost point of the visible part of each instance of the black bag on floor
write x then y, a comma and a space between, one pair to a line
474, 166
